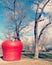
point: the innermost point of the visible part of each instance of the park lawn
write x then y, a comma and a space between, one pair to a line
46, 56
42, 55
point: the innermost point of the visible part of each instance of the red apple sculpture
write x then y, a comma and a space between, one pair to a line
12, 50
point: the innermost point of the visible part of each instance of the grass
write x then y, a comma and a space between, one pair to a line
42, 55
46, 56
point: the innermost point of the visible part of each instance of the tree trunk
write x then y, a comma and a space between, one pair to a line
36, 39
17, 36
17, 28
36, 49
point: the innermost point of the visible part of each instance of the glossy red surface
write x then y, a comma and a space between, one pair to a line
12, 50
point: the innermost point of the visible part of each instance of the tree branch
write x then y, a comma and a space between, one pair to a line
41, 32
41, 20
37, 10
26, 31
8, 3
20, 22
24, 27
7, 7
42, 9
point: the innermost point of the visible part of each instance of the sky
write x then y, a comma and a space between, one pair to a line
31, 16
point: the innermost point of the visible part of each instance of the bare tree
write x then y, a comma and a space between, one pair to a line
38, 19
16, 12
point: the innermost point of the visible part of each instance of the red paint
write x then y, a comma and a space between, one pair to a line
12, 50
